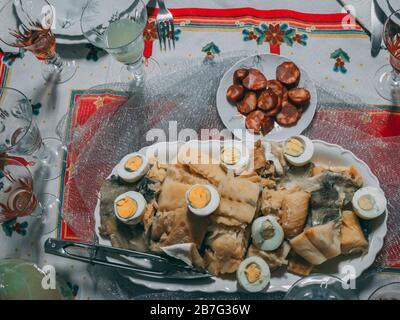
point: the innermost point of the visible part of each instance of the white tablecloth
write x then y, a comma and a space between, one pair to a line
315, 57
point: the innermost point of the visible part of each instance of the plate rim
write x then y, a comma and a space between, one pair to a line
170, 286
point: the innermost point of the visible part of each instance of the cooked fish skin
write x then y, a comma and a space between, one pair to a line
324, 215
327, 196
331, 191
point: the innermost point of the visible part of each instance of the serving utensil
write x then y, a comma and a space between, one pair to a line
165, 26
148, 265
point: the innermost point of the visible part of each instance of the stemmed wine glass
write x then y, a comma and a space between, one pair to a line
23, 280
20, 135
387, 78
117, 27
18, 199
26, 24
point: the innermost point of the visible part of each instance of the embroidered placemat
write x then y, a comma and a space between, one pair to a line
83, 104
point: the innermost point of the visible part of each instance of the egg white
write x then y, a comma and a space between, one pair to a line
244, 160
141, 206
259, 241
131, 177
210, 207
304, 158
258, 285
379, 206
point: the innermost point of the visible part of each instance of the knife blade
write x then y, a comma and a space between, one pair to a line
376, 30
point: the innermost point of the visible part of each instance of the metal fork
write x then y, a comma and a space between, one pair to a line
165, 26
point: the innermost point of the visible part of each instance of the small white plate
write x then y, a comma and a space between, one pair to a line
281, 280
235, 122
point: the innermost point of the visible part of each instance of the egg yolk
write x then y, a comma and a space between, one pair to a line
199, 197
366, 202
268, 231
230, 156
126, 207
253, 273
294, 147
133, 164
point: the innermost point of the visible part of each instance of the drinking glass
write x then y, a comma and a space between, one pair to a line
20, 135
390, 291
320, 287
23, 280
27, 24
18, 199
387, 78
117, 27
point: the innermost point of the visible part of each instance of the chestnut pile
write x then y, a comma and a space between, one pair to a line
265, 101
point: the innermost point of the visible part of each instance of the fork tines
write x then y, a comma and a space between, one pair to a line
166, 32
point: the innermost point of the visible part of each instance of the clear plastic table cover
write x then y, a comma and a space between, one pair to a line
184, 94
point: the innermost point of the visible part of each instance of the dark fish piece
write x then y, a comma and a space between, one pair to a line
335, 192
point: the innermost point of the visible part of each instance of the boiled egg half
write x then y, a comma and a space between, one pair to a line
369, 203
253, 274
202, 199
132, 167
235, 157
129, 207
298, 150
267, 233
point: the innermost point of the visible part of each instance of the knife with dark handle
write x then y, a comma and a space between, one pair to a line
168, 268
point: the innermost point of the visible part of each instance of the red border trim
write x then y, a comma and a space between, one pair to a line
255, 13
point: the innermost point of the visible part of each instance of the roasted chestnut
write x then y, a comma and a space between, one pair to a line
285, 96
267, 124
239, 75
267, 100
274, 112
276, 86
248, 104
300, 97
254, 121
255, 80
289, 115
289, 74
235, 93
